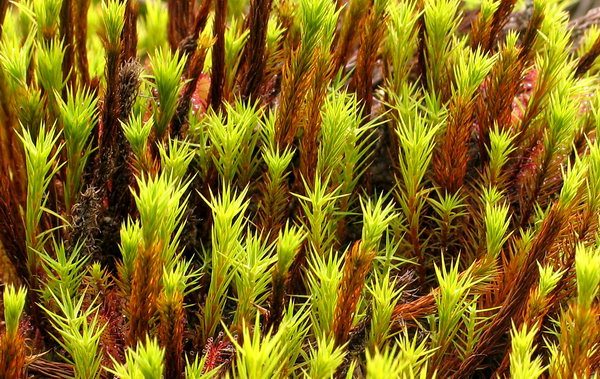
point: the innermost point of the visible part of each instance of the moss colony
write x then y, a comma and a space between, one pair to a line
298, 188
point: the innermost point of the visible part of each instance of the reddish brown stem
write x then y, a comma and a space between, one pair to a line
172, 320
180, 20
356, 267
80, 26
66, 34
144, 293
254, 52
586, 62
129, 34
218, 55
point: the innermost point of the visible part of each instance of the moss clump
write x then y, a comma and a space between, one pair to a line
298, 188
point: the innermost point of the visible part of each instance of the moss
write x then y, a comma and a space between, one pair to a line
298, 188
